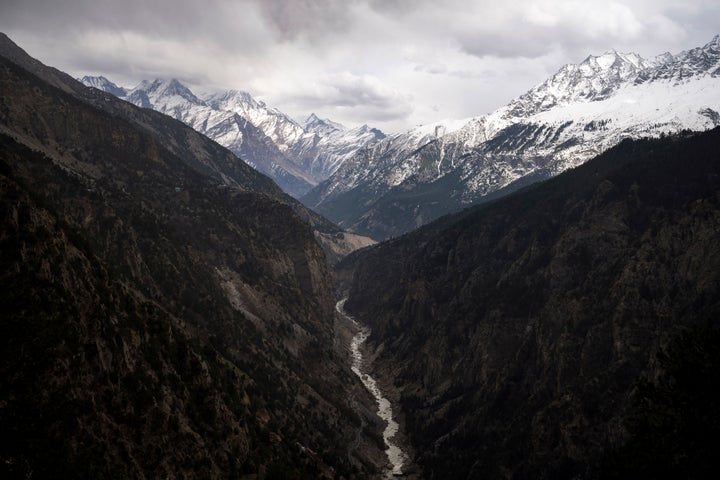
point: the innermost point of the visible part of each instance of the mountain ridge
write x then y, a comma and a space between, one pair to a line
580, 111
521, 335
295, 156
168, 310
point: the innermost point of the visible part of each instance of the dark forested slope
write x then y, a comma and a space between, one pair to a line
518, 332
166, 312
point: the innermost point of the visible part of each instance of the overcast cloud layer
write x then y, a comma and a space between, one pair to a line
389, 63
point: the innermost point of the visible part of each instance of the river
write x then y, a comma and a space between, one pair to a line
396, 456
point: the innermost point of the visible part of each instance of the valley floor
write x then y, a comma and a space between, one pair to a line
399, 458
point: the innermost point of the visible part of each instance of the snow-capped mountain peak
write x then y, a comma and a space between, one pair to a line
174, 87
583, 109
613, 59
596, 78
685, 65
236, 100
282, 129
102, 83
313, 123
296, 156
168, 93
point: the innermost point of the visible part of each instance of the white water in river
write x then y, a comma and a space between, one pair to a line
395, 455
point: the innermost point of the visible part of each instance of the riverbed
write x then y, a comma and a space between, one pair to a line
396, 456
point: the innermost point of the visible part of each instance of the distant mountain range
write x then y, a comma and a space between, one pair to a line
407, 179
296, 156
383, 186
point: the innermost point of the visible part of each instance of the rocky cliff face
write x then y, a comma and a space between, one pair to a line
517, 333
167, 310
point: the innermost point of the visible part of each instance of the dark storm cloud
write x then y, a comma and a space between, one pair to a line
226, 22
68, 15
138, 38
358, 97
313, 19
391, 60
509, 29
580, 28
403, 7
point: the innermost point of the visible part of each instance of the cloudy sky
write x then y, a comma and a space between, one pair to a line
392, 64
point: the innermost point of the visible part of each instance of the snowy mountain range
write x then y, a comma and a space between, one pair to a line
383, 186
296, 156
408, 179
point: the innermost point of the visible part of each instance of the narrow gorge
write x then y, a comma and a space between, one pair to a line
397, 457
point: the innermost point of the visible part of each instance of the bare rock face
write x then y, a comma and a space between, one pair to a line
167, 311
518, 332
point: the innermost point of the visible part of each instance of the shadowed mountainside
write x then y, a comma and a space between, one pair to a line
517, 332
167, 311
196, 151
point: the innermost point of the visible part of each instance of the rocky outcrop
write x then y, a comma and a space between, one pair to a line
517, 332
